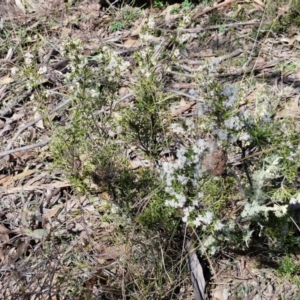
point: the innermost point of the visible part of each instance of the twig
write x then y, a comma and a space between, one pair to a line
208, 9
2, 92
183, 86
256, 68
8, 109
40, 144
8, 147
181, 74
214, 27
182, 94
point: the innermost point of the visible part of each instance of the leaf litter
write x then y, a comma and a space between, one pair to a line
38, 204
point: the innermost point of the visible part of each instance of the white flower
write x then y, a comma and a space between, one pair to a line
146, 37
185, 219
231, 93
195, 202
183, 38
280, 210
188, 210
195, 183
14, 71
182, 179
168, 168
180, 163
244, 136
208, 241
176, 53
247, 237
200, 195
208, 217
181, 152
176, 128
233, 123
186, 19
222, 134
147, 74
181, 200
169, 180
295, 200
151, 23
113, 63
197, 222
143, 53
169, 190
171, 203
199, 147
219, 225
48, 93
93, 93
42, 70
28, 58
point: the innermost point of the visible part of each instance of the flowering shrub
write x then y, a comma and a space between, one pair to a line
235, 168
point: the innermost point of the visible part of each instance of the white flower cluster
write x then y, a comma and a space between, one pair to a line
14, 71
42, 70
177, 128
70, 48
231, 93
151, 23
177, 183
93, 93
219, 111
148, 61
182, 38
176, 54
234, 122
252, 209
114, 65
186, 20
28, 58
295, 200
146, 37
206, 219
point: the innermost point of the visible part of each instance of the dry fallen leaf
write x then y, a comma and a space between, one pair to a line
4, 234
168, 13
220, 294
17, 117
112, 253
134, 164
290, 41
49, 213
22, 175
290, 109
20, 5
40, 123
132, 43
259, 3
137, 30
57, 184
6, 80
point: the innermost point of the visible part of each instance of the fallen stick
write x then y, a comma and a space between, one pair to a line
40, 144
